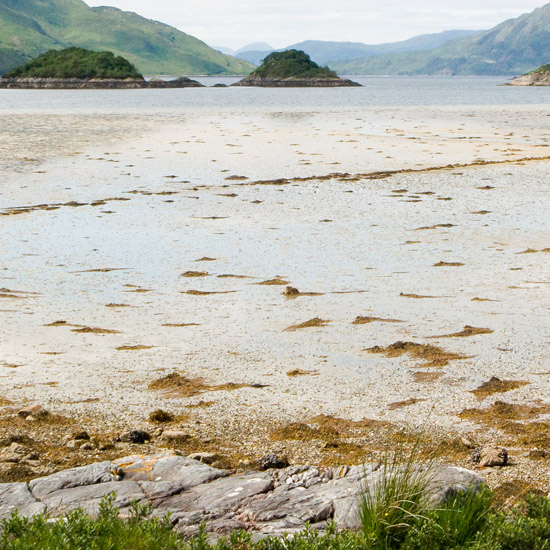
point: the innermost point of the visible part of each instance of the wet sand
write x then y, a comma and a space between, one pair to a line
138, 246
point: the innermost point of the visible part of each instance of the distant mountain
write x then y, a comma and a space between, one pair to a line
253, 53
224, 50
256, 57
31, 27
255, 46
513, 47
323, 52
326, 52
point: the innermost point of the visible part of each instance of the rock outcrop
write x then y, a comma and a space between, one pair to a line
540, 77
295, 82
270, 502
94, 83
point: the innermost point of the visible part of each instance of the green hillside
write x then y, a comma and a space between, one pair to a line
31, 27
515, 46
76, 63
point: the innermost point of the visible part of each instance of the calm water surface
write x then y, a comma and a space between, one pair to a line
376, 91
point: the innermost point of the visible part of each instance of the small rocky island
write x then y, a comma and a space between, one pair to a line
77, 68
292, 69
538, 77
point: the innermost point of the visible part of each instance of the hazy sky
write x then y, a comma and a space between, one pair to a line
234, 23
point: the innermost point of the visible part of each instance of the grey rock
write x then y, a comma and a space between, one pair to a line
491, 456
294, 506
215, 499
16, 453
136, 436
344, 492
207, 458
448, 481
167, 467
75, 477
308, 478
272, 460
274, 502
89, 497
32, 410
475, 455
161, 476
324, 500
280, 476
16, 496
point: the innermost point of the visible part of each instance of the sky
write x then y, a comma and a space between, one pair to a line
280, 23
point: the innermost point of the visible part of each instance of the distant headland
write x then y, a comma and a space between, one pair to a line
293, 68
538, 77
77, 68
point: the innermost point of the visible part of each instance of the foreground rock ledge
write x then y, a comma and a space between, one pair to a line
94, 83
264, 503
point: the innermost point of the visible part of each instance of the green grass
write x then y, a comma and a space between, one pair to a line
460, 523
78, 532
396, 500
468, 521
76, 63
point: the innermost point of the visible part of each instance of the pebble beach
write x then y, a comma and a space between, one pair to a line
253, 269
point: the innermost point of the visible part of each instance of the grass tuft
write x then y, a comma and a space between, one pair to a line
396, 499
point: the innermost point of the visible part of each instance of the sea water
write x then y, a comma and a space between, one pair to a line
376, 91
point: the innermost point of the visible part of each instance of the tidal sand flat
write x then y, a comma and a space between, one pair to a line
308, 280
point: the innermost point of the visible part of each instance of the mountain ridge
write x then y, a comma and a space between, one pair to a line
325, 51
514, 46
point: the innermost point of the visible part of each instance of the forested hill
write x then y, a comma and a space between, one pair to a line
31, 27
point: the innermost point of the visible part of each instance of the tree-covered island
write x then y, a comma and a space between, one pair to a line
74, 68
292, 68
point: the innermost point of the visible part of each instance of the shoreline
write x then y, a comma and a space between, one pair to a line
24, 83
